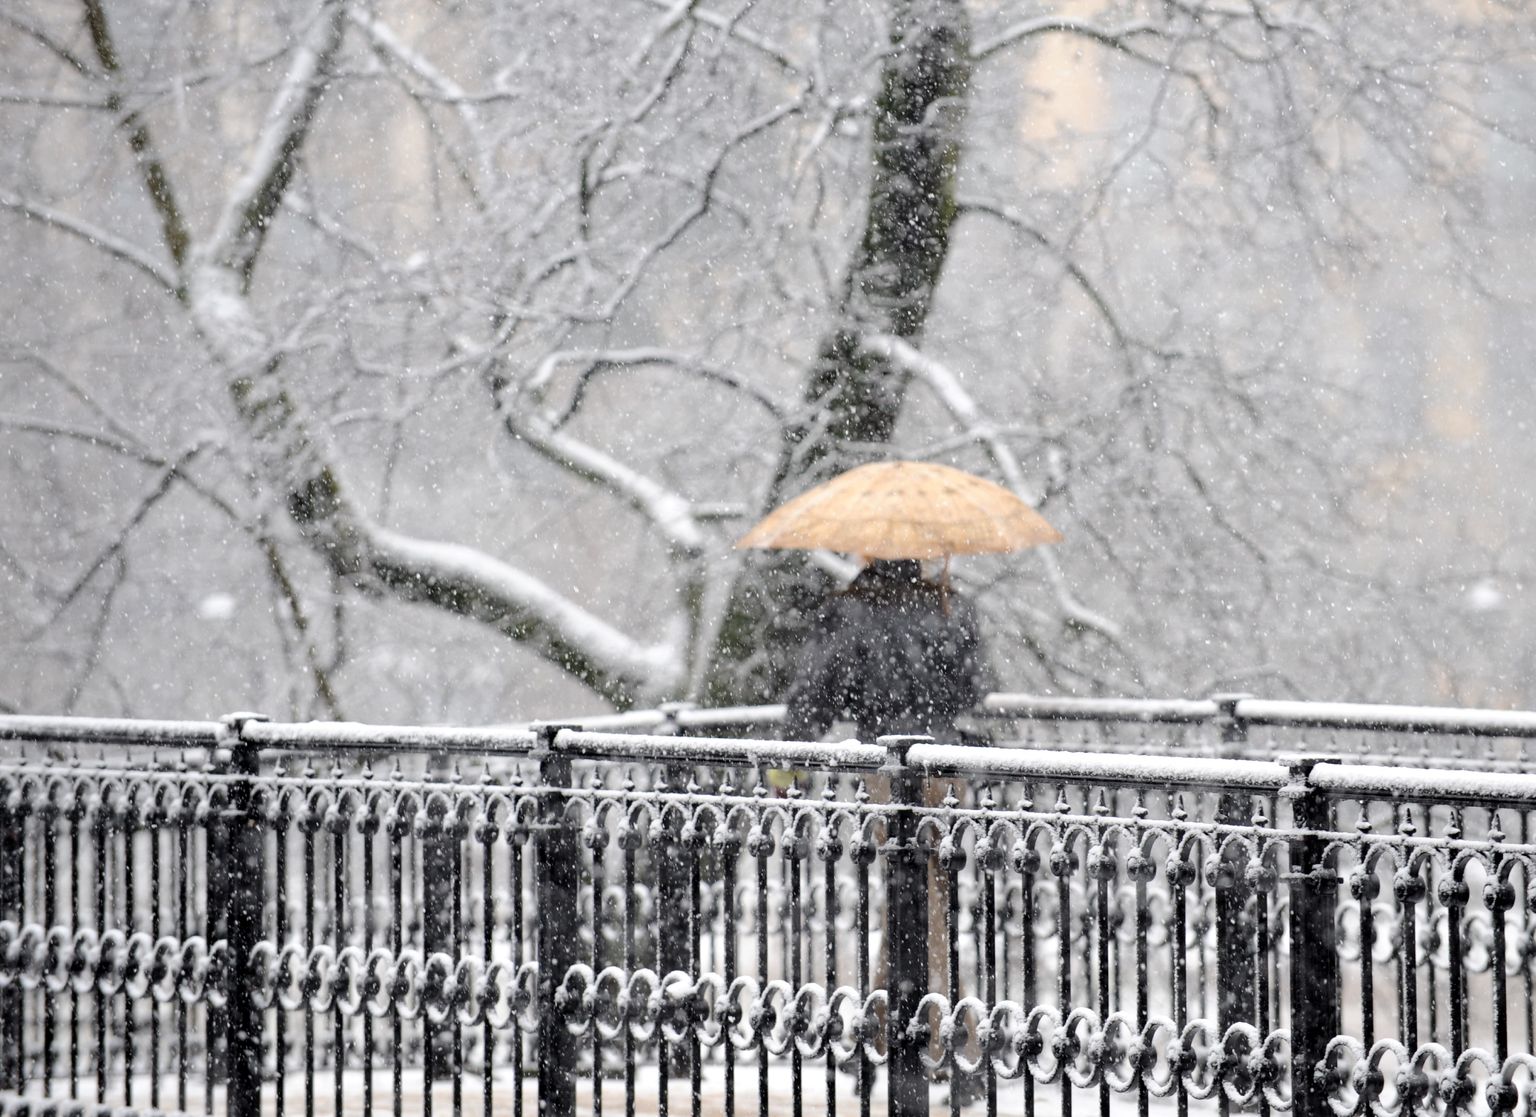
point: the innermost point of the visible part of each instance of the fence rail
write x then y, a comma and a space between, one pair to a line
248, 917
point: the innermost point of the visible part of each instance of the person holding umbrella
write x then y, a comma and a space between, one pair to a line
894, 652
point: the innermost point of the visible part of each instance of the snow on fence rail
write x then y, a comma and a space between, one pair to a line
1229, 725
247, 916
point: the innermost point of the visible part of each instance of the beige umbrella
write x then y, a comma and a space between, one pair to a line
913, 510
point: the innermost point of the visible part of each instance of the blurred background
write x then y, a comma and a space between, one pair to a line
408, 362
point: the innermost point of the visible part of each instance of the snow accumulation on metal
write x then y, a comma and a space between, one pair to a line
1117, 769
1162, 710
729, 751
107, 731
1401, 719
355, 736
1426, 785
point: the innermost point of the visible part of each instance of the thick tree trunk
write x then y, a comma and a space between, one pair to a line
853, 399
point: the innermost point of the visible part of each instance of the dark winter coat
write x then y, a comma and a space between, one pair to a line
892, 653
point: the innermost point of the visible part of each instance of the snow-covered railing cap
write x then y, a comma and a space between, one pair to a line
1399, 719
357, 737
1426, 785
1356, 716
1176, 711
108, 731
708, 717
729, 751
1109, 769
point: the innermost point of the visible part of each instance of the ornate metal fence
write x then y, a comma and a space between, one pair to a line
253, 918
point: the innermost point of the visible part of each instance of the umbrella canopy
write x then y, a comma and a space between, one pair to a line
911, 510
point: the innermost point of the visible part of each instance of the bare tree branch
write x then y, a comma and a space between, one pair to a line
151, 168
95, 236
299, 618
1124, 340
1114, 37
48, 43
115, 546
390, 46
242, 226
731, 27
601, 360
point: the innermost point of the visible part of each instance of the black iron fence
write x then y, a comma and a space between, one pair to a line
256, 918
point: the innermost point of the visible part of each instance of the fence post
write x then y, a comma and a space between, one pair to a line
557, 876
674, 890
1234, 923
906, 890
1314, 951
439, 852
240, 918
12, 897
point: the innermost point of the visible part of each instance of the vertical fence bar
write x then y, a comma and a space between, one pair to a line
13, 841
340, 826
1453, 894
101, 821
863, 856
244, 843
728, 844
439, 853
596, 839
672, 886
557, 877
1234, 929
1314, 953
906, 890
48, 823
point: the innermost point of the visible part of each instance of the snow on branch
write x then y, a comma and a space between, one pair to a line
452, 577
242, 225
390, 45
669, 512
95, 236
598, 359
474, 584
730, 26
963, 407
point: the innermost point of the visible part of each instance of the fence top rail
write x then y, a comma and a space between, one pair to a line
359, 737
1487, 789
1426, 785
843, 756
1399, 719
108, 731
1353, 716
1099, 768
1162, 711
1238, 709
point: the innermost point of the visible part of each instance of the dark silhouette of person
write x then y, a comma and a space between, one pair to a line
894, 653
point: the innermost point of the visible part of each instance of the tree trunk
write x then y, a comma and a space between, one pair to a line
852, 399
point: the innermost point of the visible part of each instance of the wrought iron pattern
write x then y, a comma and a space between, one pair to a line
270, 916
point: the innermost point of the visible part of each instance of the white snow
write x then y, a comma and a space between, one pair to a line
659, 666
216, 607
